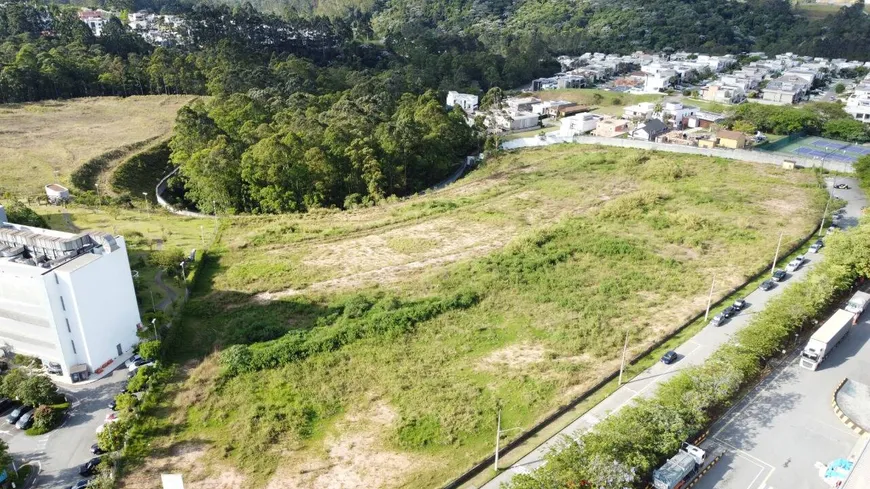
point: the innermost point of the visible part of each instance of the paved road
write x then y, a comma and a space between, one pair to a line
777, 435
61, 451
693, 352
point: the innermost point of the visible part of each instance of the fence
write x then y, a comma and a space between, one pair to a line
487, 463
763, 157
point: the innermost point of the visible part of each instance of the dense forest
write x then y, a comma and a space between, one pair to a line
345, 94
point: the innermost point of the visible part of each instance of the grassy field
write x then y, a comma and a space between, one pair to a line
819, 10
43, 139
522, 281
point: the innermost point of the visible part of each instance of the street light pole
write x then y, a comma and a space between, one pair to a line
710, 298
154, 323
497, 437
622, 365
152, 300
825, 213
776, 255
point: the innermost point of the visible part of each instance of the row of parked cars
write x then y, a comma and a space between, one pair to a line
21, 417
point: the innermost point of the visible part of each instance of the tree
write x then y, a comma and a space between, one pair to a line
744, 127
846, 129
168, 259
111, 439
19, 213
5, 457
45, 418
12, 381
597, 98
839, 88
150, 350
125, 402
37, 390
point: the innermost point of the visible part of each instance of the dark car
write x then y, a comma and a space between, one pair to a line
6, 403
25, 421
717, 320
88, 468
670, 357
739, 305
82, 484
767, 285
779, 275
842, 186
96, 450
15, 415
730, 311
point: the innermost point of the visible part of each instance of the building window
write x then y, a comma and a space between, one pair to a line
62, 305
73, 343
67, 325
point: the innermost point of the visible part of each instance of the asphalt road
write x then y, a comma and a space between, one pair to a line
692, 352
60, 452
780, 434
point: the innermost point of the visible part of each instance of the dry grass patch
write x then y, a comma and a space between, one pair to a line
41, 138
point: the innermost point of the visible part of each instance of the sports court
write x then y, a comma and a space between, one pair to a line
819, 148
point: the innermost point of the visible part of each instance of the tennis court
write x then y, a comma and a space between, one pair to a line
822, 149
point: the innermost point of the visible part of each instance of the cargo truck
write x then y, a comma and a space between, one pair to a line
680, 469
826, 338
858, 302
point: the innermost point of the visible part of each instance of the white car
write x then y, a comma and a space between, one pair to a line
795, 264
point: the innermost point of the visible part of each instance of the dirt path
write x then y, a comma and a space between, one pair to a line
170, 294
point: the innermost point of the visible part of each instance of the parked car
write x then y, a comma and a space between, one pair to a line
779, 275
730, 311
25, 421
717, 320
135, 362
795, 264
842, 186
96, 450
82, 484
88, 468
739, 304
832, 228
15, 415
54, 368
3, 366
113, 405
6, 403
767, 285
670, 357
818, 245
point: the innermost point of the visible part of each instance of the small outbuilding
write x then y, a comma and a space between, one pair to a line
731, 139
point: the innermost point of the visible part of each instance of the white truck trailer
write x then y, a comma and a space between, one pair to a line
858, 302
826, 338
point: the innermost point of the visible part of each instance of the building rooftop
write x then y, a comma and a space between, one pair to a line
46, 249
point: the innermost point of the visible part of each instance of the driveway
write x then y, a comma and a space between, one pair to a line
61, 451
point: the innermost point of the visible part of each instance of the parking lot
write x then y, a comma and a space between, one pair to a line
59, 453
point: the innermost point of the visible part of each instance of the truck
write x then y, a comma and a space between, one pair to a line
680, 469
858, 302
826, 338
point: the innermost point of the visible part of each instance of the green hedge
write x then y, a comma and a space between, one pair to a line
628, 445
85, 177
142, 171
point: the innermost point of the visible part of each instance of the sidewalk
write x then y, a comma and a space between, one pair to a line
107, 370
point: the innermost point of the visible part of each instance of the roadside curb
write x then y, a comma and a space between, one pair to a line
840, 414
707, 468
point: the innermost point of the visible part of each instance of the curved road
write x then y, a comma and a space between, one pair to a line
693, 352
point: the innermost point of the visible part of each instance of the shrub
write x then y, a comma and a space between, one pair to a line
37, 390
111, 439
142, 171
149, 350
21, 214
46, 418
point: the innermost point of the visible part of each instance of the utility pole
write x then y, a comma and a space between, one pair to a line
622, 366
710, 298
776, 255
822, 225
152, 300
154, 323
497, 439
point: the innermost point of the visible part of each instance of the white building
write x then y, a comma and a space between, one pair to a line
95, 19
577, 124
517, 121
56, 193
643, 111
67, 299
858, 104
467, 101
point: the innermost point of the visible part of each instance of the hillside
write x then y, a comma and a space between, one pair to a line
44, 142
383, 340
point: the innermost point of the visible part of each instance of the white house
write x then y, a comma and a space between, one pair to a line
787, 89
517, 121
643, 110
467, 101
67, 299
858, 104
95, 20
649, 130
577, 124
724, 94
677, 114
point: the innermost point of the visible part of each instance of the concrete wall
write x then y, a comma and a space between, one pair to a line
731, 154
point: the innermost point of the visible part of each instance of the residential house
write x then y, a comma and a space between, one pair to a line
858, 104
517, 121
642, 111
787, 89
723, 94
705, 120
676, 114
660, 80
95, 20
731, 139
467, 101
649, 130
577, 124
522, 104
548, 107
569, 110
611, 128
